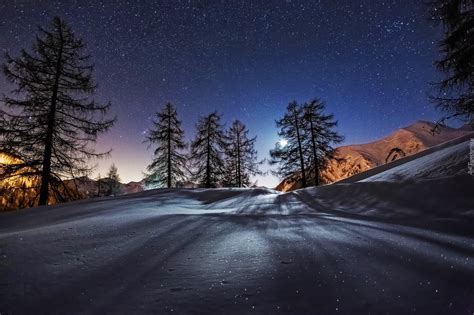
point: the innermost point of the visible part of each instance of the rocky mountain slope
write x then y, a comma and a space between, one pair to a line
357, 158
21, 192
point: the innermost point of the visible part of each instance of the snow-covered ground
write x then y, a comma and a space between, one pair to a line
400, 241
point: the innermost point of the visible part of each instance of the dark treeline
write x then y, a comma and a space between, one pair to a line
309, 138
228, 158
216, 157
455, 97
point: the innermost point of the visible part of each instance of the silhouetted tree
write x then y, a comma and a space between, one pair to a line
169, 163
206, 151
290, 157
456, 91
319, 136
52, 119
113, 181
241, 157
99, 184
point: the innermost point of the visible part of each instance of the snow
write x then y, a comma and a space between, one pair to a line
399, 241
445, 162
457, 162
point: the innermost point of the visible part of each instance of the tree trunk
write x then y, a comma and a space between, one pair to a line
98, 187
239, 172
315, 155
169, 149
46, 171
300, 150
208, 162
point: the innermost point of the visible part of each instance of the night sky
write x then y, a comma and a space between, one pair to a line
371, 61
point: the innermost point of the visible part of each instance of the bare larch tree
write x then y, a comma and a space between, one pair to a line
51, 119
168, 166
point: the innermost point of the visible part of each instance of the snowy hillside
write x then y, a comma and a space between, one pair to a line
398, 241
444, 162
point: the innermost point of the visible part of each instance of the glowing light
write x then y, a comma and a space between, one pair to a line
283, 143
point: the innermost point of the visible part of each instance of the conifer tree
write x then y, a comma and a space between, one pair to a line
241, 156
319, 136
99, 184
456, 91
206, 151
169, 163
51, 120
290, 157
113, 181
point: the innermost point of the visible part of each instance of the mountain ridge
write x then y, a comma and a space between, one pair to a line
357, 158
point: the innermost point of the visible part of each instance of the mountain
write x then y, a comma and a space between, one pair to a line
15, 191
357, 158
21, 192
88, 187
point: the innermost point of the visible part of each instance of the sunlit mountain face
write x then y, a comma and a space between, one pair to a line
22, 191
16, 191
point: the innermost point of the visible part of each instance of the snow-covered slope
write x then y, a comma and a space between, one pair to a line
397, 242
444, 162
433, 184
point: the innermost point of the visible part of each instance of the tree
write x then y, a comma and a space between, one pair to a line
52, 119
113, 181
99, 184
456, 91
241, 156
320, 135
290, 156
169, 164
206, 151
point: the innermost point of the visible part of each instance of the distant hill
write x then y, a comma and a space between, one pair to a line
357, 158
21, 192
89, 188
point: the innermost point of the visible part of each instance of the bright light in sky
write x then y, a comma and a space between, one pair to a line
283, 143
266, 87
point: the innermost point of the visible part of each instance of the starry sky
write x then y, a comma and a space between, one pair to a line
371, 61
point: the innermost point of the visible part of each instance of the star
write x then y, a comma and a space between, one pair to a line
371, 61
